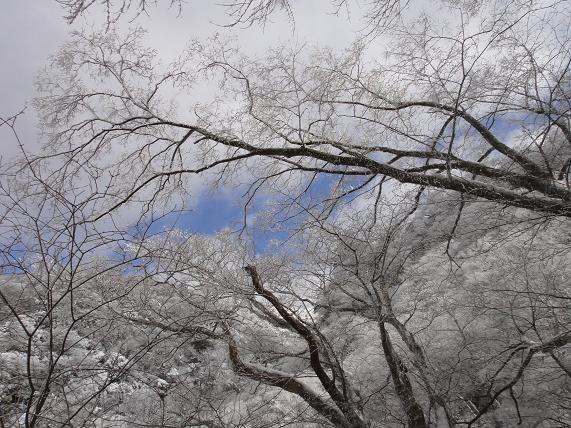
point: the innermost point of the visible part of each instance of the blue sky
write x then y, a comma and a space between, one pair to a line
214, 211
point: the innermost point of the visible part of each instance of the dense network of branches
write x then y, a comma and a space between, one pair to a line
422, 179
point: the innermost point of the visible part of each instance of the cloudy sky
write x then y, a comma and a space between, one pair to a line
28, 35
31, 32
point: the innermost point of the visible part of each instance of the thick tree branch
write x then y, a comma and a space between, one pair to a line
314, 351
285, 381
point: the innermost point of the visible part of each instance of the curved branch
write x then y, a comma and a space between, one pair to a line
285, 381
314, 351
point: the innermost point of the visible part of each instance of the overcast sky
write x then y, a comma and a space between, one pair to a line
29, 34
32, 31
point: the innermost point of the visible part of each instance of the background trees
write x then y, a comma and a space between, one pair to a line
423, 180
58, 279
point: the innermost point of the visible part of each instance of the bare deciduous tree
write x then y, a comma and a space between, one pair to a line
60, 276
386, 311
440, 111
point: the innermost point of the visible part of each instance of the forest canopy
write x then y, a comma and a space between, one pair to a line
414, 185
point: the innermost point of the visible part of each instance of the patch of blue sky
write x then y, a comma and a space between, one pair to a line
224, 210
214, 212
12, 257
